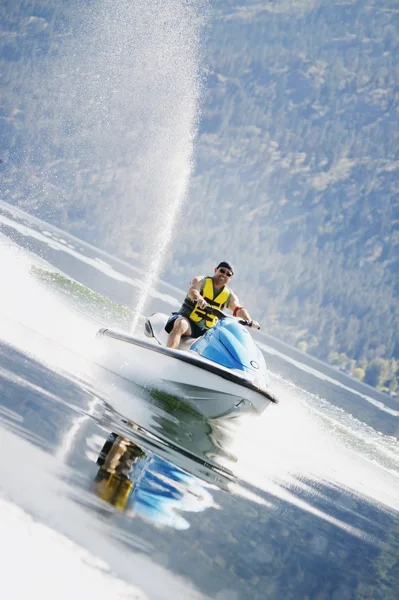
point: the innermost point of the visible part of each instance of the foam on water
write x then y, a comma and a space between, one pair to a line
35, 320
294, 442
46, 557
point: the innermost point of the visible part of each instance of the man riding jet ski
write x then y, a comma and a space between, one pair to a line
192, 319
207, 359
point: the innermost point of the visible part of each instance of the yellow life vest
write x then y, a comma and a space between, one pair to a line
208, 293
117, 490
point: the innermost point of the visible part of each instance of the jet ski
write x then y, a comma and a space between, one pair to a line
221, 374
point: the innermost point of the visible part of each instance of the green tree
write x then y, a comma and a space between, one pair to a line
359, 373
303, 346
393, 385
377, 372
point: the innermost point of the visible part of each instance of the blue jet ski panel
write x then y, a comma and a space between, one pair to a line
231, 345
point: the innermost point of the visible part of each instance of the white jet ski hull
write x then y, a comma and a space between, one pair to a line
211, 389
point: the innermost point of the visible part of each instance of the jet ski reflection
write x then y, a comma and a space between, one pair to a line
112, 482
143, 484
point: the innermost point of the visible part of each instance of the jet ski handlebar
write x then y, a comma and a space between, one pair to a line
247, 323
212, 310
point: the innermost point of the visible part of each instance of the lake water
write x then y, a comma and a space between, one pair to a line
112, 488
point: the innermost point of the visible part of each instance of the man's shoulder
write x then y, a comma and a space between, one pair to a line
197, 279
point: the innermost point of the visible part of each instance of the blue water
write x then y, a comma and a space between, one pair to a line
301, 502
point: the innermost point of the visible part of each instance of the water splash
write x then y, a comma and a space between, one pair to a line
110, 95
162, 237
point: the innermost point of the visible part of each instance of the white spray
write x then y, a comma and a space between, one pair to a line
112, 122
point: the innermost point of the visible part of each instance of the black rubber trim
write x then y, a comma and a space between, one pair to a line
187, 358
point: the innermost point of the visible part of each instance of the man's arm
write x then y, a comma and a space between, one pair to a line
240, 311
194, 291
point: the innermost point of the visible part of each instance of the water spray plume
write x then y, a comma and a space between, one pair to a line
111, 122
163, 239
176, 163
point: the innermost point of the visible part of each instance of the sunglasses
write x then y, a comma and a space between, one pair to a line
228, 273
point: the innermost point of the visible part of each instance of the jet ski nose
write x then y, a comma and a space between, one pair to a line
148, 330
101, 331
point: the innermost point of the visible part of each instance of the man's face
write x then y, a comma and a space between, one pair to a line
222, 275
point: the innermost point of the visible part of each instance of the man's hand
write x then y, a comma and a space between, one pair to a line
255, 325
202, 303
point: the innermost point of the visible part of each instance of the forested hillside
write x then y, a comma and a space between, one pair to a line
297, 176
296, 167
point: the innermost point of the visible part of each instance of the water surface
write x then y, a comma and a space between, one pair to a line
131, 494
